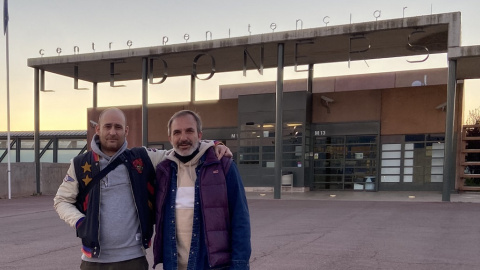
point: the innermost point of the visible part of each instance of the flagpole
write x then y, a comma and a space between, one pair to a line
8, 121
5, 24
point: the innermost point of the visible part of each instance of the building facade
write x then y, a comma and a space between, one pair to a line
365, 132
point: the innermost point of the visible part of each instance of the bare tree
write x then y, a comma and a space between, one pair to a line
473, 117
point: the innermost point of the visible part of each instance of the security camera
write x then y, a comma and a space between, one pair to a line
327, 99
441, 106
93, 123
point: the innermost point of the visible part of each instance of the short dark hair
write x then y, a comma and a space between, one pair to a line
183, 113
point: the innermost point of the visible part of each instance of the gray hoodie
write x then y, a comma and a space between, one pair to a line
119, 229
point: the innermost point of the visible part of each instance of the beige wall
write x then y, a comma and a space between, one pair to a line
413, 110
391, 100
214, 114
385, 80
354, 106
407, 110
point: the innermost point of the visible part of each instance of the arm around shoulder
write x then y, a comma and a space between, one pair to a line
157, 155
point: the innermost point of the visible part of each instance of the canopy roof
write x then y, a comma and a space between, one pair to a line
440, 33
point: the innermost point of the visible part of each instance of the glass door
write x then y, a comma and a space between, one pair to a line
345, 162
329, 162
360, 162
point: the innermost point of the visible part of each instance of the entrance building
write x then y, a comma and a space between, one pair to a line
399, 106
387, 133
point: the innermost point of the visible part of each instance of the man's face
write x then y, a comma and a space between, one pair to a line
112, 131
184, 135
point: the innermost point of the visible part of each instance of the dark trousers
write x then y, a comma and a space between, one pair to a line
140, 263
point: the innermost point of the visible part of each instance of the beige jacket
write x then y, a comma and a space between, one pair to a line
64, 201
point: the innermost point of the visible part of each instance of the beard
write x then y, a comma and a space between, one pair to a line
185, 148
111, 143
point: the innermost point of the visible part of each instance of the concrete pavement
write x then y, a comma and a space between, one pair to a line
313, 230
393, 196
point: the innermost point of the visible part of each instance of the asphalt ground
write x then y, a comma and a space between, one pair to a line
312, 230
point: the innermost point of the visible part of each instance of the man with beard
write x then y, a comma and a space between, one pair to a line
108, 196
202, 219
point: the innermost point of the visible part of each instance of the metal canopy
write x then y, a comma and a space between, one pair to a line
387, 39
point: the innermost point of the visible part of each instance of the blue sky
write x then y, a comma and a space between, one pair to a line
50, 24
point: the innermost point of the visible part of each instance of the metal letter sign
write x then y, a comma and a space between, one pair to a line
273, 26
418, 47
357, 51
112, 76
377, 14
165, 71
259, 68
42, 81
75, 79
301, 24
195, 61
326, 20
297, 44
246, 54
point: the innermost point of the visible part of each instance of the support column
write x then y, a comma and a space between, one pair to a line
450, 155
277, 188
55, 150
192, 88
36, 112
310, 79
17, 150
145, 101
95, 95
